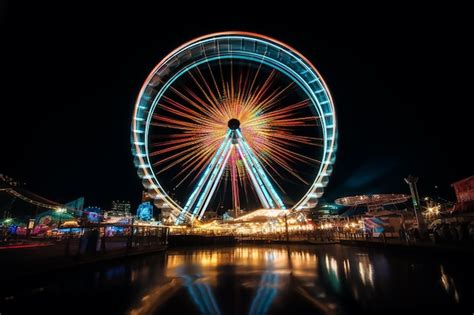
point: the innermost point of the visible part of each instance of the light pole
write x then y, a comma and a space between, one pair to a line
411, 181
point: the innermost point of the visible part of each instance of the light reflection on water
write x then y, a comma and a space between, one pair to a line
278, 280
330, 279
449, 285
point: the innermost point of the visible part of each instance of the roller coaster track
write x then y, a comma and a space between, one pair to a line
31, 198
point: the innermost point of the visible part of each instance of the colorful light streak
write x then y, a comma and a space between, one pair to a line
255, 183
206, 187
261, 172
211, 167
199, 119
197, 114
235, 182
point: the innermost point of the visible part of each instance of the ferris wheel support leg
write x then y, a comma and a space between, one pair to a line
235, 184
257, 184
215, 184
202, 181
275, 200
211, 180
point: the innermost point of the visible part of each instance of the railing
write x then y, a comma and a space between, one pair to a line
107, 238
92, 243
93, 240
300, 236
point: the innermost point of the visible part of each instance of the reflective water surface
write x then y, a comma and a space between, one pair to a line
329, 279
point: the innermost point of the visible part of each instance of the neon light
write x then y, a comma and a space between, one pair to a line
234, 181
258, 189
216, 182
194, 195
261, 171
212, 178
276, 55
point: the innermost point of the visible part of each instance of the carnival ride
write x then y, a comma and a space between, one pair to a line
373, 202
233, 120
16, 191
52, 211
377, 218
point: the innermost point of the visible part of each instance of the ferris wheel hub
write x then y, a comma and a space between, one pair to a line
233, 124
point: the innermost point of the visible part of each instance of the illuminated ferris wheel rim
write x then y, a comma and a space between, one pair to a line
295, 66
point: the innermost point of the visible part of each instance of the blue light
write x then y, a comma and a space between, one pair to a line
259, 192
145, 211
265, 294
261, 171
209, 182
204, 176
201, 294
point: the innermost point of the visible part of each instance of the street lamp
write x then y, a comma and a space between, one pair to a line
411, 181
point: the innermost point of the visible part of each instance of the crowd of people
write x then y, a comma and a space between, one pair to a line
456, 231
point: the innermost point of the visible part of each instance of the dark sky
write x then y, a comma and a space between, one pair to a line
70, 76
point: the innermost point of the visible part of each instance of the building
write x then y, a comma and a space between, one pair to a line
464, 190
120, 207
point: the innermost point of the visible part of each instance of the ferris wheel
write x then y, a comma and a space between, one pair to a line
233, 120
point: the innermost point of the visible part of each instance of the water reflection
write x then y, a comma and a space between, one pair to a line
260, 280
366, 272
201, 293
266, 292
264, 279
449, 285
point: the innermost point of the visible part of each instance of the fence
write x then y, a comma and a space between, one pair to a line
81, 244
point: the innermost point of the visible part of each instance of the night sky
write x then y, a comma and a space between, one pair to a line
70, 76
